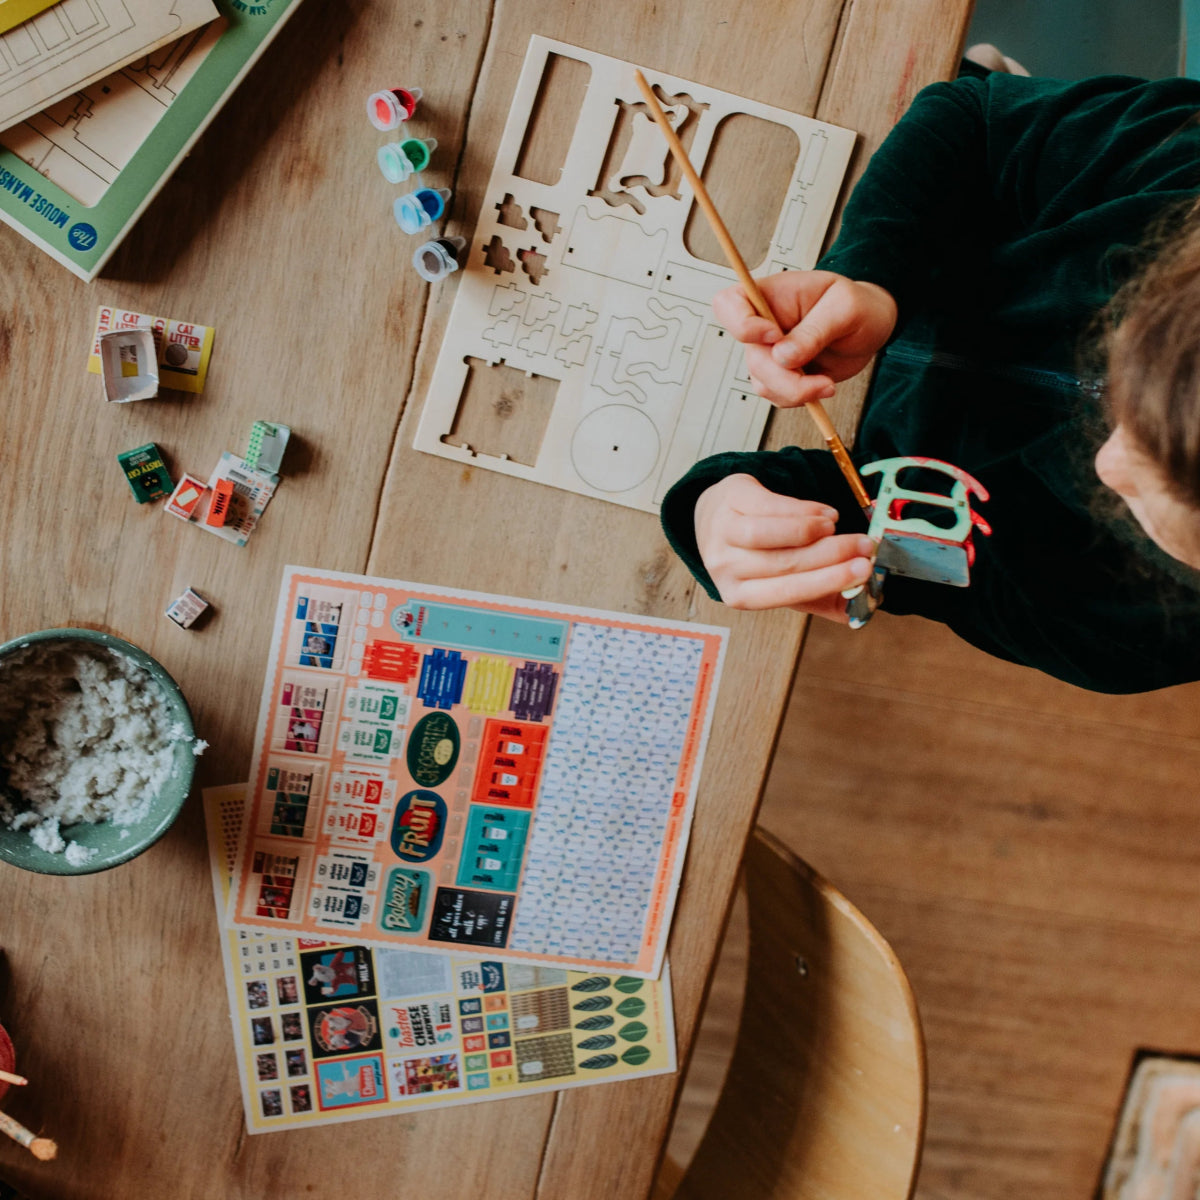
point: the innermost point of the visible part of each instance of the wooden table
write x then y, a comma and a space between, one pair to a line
277, 231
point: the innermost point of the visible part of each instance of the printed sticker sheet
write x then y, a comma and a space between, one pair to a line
579, 273
439, 769
330, 1031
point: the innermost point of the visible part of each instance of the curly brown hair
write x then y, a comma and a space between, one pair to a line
1151, 341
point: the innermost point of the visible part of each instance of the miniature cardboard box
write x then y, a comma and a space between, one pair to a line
129, 365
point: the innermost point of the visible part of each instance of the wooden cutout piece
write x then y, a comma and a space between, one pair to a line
577, 317
551, 126
502, 412
510, 213
533, 264
508, 297
537, 342
546, 223
748, 173
496, 255
645, 160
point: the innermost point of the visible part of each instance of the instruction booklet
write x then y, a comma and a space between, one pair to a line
76, 176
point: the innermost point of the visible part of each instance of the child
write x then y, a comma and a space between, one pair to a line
992, 239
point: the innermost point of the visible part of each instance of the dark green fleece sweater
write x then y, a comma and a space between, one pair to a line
1001, 213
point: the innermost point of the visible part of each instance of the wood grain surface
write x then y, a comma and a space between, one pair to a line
277, 231
1028, 850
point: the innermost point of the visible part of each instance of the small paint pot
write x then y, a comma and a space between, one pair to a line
399, 160
389, 108
8, 1058
437, 259
421, 208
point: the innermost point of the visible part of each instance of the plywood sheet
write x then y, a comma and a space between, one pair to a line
590, 276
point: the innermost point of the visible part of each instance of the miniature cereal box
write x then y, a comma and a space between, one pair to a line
238, 496
218, 509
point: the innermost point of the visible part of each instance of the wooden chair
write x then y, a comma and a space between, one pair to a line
825, 1095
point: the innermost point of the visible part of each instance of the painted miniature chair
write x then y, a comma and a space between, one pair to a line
825, 1094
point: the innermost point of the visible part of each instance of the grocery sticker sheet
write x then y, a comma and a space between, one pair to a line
441, 769
329, 1031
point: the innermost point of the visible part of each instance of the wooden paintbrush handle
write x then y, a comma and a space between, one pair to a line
749, 285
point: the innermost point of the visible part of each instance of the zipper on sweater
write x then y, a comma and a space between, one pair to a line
1060, 381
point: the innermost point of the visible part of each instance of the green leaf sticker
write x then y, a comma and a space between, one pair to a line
593, 1004
636, 1055
633, 1007
601, 1041
594, 983
628, 984
601, 1022
634, 1031
599, 1061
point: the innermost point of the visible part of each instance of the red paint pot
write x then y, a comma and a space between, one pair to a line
8, 1059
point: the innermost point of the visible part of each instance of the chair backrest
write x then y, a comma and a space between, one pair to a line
825, 1096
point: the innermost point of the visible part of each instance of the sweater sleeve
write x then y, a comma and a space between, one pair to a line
804, 474
924, 189
977, 162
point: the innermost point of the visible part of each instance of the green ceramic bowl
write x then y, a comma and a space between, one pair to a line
17, 847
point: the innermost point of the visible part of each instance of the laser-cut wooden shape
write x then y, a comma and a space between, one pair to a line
546, 223
510, 213
503, 412
626, 415
533, 264
496, 255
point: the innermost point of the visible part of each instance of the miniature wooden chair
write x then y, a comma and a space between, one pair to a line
825, 1096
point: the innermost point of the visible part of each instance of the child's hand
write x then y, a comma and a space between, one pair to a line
769, 551
835, 325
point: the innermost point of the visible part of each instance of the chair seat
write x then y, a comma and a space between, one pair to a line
825, 1095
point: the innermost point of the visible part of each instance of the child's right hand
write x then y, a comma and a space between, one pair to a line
764, 550
835, 327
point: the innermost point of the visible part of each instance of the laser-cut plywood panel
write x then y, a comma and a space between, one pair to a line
578, 273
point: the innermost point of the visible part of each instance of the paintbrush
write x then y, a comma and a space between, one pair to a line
815, 408
39, 1147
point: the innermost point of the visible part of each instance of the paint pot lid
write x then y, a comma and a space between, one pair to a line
385, 111
410, 214
433, 261
394, 163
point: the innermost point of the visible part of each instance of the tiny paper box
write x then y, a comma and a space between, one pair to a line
128, 365
146, 473
222, 498
186, 496
267, 444
181, 348
187, 608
